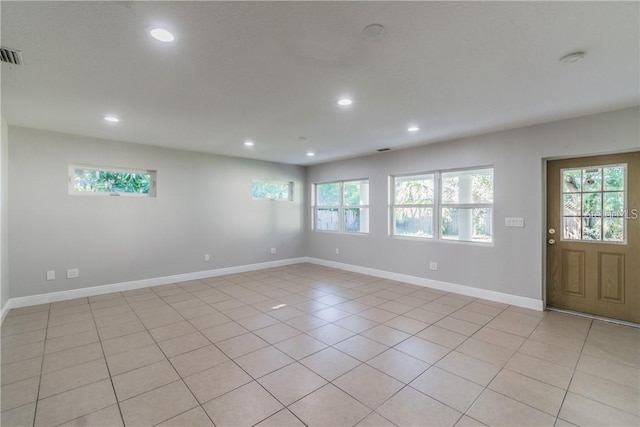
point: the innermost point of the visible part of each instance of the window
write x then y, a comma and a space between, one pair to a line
271, 190
412, 205
593, 203
342, 206
461, 202
111, 181
466, 205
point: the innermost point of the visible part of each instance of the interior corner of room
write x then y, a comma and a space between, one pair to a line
203, 205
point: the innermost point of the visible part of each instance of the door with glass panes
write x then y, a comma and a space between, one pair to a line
593, 235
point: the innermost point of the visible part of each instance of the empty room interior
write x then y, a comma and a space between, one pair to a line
320, 213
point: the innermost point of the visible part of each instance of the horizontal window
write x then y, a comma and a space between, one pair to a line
111, 181
270, 190
460, 202
342, 206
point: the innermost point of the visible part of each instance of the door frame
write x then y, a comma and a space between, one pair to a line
543, 232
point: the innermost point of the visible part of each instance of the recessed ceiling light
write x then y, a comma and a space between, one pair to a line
311, 154
572, 58
413, 129
162, 35
248, 143
111, 119
345, 102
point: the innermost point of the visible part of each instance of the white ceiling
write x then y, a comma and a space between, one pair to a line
273, 71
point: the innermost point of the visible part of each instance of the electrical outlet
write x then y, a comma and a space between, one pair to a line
433, 265
337, 251
51, 275
72, 273
273, 250
207, 257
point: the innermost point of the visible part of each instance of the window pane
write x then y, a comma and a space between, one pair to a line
467, 224
591, 204
328, 194
356, 220
414, 190
592, 179
571, 180
613, 229
613, 204
591, 228
106, 181
482, 187
356, 193
450, 191
416, 222
572, 228
327, 219
572, 204
614, 178
475, 186
271, 190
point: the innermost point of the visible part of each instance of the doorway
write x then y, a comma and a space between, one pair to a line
593, 235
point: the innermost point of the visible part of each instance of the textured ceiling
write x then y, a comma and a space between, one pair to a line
273, 71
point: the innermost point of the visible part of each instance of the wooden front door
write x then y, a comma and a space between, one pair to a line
593, 235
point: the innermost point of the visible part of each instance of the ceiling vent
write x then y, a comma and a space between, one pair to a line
10, 56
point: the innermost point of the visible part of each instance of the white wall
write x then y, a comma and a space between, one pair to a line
514, 264
4, 235
203, 205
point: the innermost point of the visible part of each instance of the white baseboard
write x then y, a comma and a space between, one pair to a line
156, 281
137, 284
519, 301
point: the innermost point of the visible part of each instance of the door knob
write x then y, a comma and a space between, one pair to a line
552, 241
552, 231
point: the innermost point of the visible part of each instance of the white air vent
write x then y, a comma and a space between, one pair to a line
10, 56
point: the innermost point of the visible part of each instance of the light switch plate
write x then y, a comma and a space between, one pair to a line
514, 222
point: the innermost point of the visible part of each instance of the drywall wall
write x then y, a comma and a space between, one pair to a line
203, 205
514, 263
4, 196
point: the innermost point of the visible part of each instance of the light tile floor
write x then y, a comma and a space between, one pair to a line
343, 349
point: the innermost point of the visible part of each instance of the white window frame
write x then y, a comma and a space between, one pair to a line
437, 205
73, 191
289, 185
341, 207
442, 205
393, 206
625, 212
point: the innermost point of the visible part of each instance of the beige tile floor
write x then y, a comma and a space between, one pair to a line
343, 349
